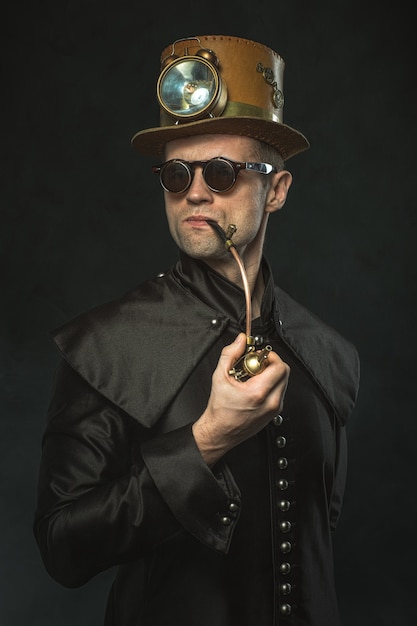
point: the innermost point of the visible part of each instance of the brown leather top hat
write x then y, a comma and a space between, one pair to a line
216, 84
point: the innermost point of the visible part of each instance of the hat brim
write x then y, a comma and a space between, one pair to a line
285, 139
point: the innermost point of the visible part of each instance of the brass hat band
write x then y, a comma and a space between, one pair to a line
232, 109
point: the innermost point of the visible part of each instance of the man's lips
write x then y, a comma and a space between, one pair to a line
198, 220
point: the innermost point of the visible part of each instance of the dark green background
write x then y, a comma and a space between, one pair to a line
82, 221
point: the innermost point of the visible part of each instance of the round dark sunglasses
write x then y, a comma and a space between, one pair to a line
219, 174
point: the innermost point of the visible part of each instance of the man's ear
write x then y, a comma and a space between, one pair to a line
277, 193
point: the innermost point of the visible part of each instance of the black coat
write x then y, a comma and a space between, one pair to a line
122, 482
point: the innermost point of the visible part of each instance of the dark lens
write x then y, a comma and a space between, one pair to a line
219, 175
175, 176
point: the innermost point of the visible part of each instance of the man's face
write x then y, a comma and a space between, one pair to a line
243, 205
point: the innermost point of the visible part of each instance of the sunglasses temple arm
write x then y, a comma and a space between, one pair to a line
230, 246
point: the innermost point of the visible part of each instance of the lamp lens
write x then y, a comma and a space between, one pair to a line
188, 87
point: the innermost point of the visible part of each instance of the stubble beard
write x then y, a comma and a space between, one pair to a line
204, 246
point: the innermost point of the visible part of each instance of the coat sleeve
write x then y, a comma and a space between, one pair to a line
98, 504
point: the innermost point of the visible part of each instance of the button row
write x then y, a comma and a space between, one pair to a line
285, 526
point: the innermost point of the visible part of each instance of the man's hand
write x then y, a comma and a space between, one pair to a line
238, 410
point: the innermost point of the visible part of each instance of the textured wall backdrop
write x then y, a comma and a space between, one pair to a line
82, 221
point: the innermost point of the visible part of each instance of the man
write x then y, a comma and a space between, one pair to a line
214, 487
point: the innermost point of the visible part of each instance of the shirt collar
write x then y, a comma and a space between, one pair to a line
220, 293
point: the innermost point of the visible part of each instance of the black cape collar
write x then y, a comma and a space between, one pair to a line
155, 335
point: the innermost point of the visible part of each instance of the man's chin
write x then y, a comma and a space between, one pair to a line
205, 254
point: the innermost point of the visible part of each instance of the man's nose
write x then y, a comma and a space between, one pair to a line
198, 186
